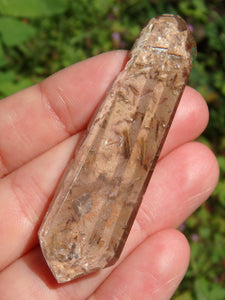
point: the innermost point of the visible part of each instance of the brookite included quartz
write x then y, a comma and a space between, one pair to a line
94, 207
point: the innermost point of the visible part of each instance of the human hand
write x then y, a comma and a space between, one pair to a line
40, 128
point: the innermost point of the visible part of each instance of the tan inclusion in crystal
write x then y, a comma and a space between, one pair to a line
94, 207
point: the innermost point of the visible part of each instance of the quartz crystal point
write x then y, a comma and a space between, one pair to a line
95, 205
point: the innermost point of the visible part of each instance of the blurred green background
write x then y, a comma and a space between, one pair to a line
39, 37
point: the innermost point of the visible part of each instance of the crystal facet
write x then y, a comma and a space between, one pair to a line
94, 207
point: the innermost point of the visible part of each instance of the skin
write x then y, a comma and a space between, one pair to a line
40, 128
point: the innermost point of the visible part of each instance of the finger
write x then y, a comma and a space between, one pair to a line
155, 269
24, 198
190, 120
182, 181
188, 173
43, 115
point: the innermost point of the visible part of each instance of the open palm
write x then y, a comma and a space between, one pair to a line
39, 130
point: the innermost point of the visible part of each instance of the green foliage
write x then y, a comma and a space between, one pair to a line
3, 60
197, 9
220, 189
11, 82
206, 231
14, 32
206, 291
32, 8
203, 291
39, 37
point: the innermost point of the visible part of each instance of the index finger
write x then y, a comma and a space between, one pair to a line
35, 119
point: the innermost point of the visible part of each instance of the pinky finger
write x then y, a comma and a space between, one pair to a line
152, 271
